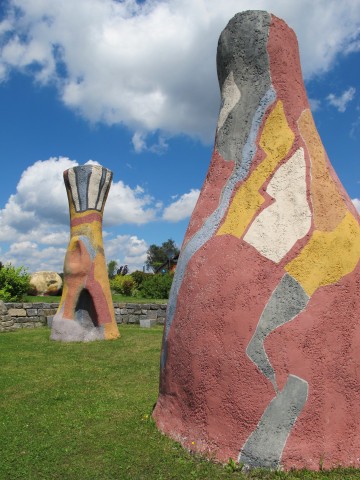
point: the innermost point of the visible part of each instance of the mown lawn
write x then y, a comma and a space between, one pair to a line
116, 298
83, 411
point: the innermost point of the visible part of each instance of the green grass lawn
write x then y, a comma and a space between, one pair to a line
116, 298
83, 411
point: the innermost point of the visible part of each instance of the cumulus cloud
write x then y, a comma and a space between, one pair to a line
182, 207
35, 220
315, 104
41, 199
151, 65
140, 144
31, 255
341, 102
127, 250
126, 205
356, 202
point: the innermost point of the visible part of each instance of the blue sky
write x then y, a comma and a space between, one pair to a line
132, 86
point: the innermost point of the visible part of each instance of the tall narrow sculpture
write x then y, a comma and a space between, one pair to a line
86, 310
261, 359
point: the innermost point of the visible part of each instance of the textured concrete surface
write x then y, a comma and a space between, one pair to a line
86, 310
260, 359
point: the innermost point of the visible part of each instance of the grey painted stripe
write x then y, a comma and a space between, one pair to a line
70, 330
82, 179
73, 188
89, 248
265, 445
212, 223
242, 50
286, 302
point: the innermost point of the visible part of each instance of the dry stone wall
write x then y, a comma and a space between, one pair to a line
30, 315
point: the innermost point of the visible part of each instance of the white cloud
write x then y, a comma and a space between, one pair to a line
151, 66
35, 258
353, 47
356, 202
181, 208
342, 100
127, 250
315, 104
126, 205
139, 141
40, 199
35, 220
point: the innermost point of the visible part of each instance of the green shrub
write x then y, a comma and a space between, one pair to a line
139, 277
123, 284
157, 286
14, 283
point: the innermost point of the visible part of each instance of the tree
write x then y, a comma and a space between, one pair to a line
159, 255
111, 267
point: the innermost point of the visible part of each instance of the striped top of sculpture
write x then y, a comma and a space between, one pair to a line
88, 186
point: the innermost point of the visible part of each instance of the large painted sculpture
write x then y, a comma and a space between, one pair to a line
86, 310
261, 350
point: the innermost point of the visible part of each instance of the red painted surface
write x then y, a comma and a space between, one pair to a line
91, 217
322, 345
212, 395
217, 176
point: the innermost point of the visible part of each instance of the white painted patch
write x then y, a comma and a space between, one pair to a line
277, 228
93, 192
230, 97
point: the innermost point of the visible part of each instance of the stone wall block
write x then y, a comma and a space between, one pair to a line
17, 312
153, 314
7, 323
3, 308
20, 319
32, 319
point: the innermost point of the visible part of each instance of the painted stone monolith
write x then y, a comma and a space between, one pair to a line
86, 310
261, 351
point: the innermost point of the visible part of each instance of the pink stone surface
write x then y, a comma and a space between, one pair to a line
217, 394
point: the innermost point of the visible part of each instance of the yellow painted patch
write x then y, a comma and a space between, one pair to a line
328, 205
276, 141
328, 256
111, 331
